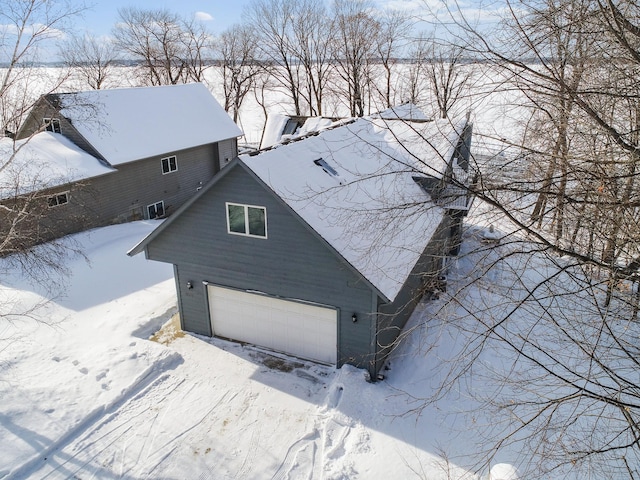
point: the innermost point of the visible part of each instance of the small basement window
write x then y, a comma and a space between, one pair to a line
58, 199
156, 210
169, 164
51, 125
326, 167
247, 220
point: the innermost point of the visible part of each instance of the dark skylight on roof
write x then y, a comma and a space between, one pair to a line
326, 167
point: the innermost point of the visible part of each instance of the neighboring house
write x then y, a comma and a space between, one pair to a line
321, 247
39, 177
160, 145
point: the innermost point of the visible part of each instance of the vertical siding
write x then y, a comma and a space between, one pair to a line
291, 263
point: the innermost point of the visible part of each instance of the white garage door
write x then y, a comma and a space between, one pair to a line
300, 329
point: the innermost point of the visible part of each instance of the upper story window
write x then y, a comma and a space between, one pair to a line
248, 220
169, 164
59, 199
51, 125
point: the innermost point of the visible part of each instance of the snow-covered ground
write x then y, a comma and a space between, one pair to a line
86, 394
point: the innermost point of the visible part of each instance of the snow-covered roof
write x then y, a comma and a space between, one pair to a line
277, 124
127, 124
354, 186
43, 161
273, 129
407, 111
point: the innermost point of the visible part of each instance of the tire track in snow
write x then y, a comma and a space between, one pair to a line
292, 457
85, 443
151, 376
247, 463
308, 456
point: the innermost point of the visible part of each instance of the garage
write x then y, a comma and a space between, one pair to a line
301, 329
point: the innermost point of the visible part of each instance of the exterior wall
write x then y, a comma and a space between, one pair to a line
120, 196
125, 194
290, 263
227, 151
29, 220
392, 317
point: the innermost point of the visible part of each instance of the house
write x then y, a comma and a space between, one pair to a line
37, 180
321, 247
158, 147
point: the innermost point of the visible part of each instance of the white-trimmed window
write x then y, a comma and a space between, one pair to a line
247, 220
169, 164
51, 125
155, 210
58, 199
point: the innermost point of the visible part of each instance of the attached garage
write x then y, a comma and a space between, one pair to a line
302, 329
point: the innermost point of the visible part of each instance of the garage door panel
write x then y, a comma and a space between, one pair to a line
304, 330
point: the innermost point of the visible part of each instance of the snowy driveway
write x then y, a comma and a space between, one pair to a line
220, 413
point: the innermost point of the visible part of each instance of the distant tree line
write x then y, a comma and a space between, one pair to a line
344, 57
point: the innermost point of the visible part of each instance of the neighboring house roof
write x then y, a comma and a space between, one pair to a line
43, 161
406, 111
354, 186
127, 124
283, 127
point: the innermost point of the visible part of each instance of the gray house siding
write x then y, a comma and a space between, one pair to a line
292, 262
227, 151
124, 195
393, 316
43, 222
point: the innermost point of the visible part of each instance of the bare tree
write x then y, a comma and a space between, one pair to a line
394, 30
560, 342
170, 49
237, 48
273, 22
416, 70
199, 47
91, 58
311, 34
447, 75
356, 37
30, 29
